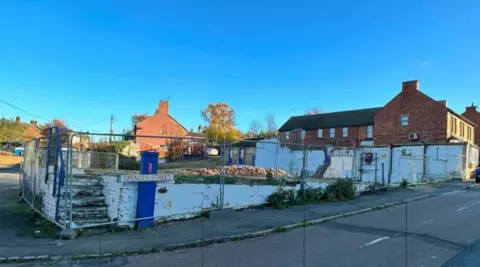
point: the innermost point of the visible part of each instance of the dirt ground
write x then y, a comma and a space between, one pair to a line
9, 160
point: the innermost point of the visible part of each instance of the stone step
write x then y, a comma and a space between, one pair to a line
86, 201
90, 221
87, 221
86, 190
85, 180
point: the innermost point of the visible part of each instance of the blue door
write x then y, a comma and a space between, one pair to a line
241, 156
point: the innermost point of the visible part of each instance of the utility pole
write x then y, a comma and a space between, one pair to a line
111, 129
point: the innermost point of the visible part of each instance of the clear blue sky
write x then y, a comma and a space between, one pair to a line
82, 61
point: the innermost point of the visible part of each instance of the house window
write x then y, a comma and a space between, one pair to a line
345, 131
404, 120
287, 135
302, 134
452, 125
370, 131
332, 132
469, 133
320, 133
455, 125
462, 129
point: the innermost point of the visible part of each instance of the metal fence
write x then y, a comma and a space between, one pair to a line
198, 174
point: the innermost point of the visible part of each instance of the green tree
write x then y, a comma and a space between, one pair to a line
220, 122
12, 131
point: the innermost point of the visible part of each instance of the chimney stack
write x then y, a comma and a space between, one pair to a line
162, 107
410, 86
443, 102
471, 108
17, 119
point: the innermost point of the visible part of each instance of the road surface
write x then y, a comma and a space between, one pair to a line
442, 231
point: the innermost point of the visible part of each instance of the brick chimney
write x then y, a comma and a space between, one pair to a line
410, 86
443, 102
471, 109
17, 119
162, 107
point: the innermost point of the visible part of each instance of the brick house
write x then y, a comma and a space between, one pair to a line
473, 115
161, 124
413, 117
340, 129
410, 117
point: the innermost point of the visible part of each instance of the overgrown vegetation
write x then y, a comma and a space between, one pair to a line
404, 183
341, 190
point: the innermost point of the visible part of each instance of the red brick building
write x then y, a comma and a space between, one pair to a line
161, 124
473, 115
342, 129
410, 117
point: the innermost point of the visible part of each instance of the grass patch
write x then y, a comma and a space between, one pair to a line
280, 230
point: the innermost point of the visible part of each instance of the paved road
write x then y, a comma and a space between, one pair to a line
9, 177
442, 231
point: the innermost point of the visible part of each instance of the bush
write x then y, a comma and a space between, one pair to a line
282, 198
404, 183
341, 190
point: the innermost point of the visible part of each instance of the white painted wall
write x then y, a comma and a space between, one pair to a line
341, 164
181, 200
270, 154
407, 163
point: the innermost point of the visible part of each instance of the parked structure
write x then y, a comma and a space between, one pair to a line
473, 115
241, 153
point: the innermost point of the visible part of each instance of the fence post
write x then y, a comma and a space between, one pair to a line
222, 173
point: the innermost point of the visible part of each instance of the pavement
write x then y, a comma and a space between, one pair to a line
433, 232
428, 232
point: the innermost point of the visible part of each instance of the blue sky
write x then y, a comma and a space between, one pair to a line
82, 61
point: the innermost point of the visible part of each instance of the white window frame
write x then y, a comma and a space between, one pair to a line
332, 132
345, 132
320, 133
302, 134
370, 131
287, 135
404, 120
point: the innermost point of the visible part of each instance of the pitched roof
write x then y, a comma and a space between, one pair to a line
359, 117
461, 117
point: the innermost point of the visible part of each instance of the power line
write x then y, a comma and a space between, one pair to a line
24, 111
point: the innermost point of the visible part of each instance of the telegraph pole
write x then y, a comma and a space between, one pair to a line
111, 129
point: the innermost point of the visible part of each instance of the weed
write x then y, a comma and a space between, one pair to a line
280, 230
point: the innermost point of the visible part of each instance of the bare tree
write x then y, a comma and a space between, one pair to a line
271, 125
256, 128
313, 111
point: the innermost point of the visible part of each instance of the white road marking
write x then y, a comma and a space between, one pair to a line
427, 222
468, 206
374, 241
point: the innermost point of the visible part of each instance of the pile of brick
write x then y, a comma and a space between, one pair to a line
236, 171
